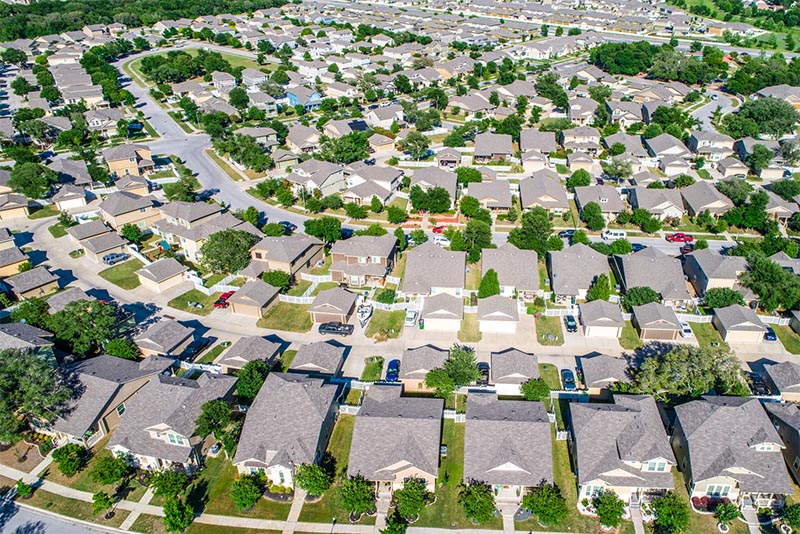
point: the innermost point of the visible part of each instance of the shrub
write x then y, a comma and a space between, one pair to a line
547, 504
478, 502
609, 509
245, 492
69, 458
535, 389
24, 490
727, 512
312, 478
109, 470
386, 296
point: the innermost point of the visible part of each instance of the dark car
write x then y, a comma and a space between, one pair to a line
370, 161
393, 371
769, 335
483, 369
222, 301
568, 380
289, 227
572, 325
565, 234
114, 257
636, 247
757, 384
687, 248
196, 347
336, 328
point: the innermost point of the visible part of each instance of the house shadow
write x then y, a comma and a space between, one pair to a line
649, 350
197, 327
37, 257
284, 345
757, 366
65, 276
23, 238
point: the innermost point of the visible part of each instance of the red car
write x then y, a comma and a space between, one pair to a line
222, 301
438, 229
680, 237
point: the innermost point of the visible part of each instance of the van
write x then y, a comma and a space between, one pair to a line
613, 235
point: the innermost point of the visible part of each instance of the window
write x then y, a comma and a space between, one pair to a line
592, 491
280, 476
142, 210
171, 438
656, 467
764, 447
362, 259
121, 409
376, 259
717, 490
796, 464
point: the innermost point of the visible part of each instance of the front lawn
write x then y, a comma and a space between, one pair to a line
323, 269
790, 339
181, 302
57, 230
399, 268
42, 212
213, 488
373, 369
286, 316
385, 324
549, 373
212, 354
548, 331
71, 508
702, 522
469, 332
123, 274
630, 337
707, 335
151, 524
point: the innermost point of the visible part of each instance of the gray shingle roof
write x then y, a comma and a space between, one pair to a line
124, 202
29, 280
601, 313
654, 269
427, 177
11, 255
87, 230
60, 300
540, 190
104, 242
249, 348
335, 300
655, 315
602, 370
716, 265
163, 336
162, 269
575, 268
702, 195
255, 293
190, 211
324, 357
738, 318
21, 336
498, 308
604, 195
785, 376
443, 306
417, 362
431, 266
514, 267
366, 246
512, 366
286, 248
494, 194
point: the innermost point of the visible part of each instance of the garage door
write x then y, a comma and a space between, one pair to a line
443, 325
327, 317
497, 327
659, 334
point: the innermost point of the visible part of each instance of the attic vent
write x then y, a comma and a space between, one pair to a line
603, 200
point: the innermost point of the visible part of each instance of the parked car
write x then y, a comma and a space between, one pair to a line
686, 330
438, 229
370, 161
393, 371
483, 369
411, 318
680, 237
336, 328
571, 324
196, 347
568, 380
289, 227
636, 247
222, 301
613, 235
687, 248
114, 257
770, 335
566, 234
757, 384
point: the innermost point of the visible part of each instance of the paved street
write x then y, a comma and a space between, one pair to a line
18, 520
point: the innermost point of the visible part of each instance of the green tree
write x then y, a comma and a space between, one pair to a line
24, 490
775, 287
546, 503
736, 189
250, 380
32, 179
273, 230
579, 178
672, 513
535, 389
418, 236
639, 296
246, 492
441, 382
101, 501
600, 289
328, 229
355, 211
251, 215
184, 189
619, 168
178, 515
109, 470
580, 237
727, 512
621, 246
683, 180
490, 285
720, 297
592, 215
69, 458
357, 495
375, 205
215, 416
416, 144
279, 279
313, 478
609, 509
227, 251
787, 189
466, 175
238, 98
477, 235
395, 215
769, 116
461, 365
84, 325
791, 515
478, 502
411, 498
346, 149
168, 483
132, 233
534, 231
32, 311
122, 348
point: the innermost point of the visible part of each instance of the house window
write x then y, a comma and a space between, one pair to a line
121, 409
592, 491
718, 490
764, 447
171, 438
376, 259
280, 476
796, 464
656, 467
362, 259
142, 210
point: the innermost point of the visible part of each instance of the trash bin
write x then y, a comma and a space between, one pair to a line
421, 324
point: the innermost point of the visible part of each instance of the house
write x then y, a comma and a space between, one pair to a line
363, 260
787, 423
266, 137
784, 380
656, 322
222, 80
448, 158
442, 312
384, 117
573, 270
654, 269
492, 147
288, 425
601, 371
87, 230
6, 239
28, 339
59, 301
13, 206
778, 208
303, 96
665, 145
121, 208
624, 113
532, 139
583, 138
732, 168
711, 145
37, 282
127, 159
621, 447
290, 254
247, 349
498, 315
708, 269
782, 92
431, 269
494, 196
661, 203
320, 358
107, 386
632, 143
69, 197
158, 430
605, 196
103, 121
728, 448
429, 177
166, 337
601, 319
702, 196
415, 422
302, 139
511, 368
136, 185
10, 261
335, 305
254, 298
581, 111
516, 269
787, 263
579, 161
252, 78
162, 274
313, 175
507, 444
417, 362
544, 191
738, 324
97, 247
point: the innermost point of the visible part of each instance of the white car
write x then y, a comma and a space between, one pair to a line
686, 330
440, 240
411, 318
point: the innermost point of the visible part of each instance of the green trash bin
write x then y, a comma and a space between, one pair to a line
421, 324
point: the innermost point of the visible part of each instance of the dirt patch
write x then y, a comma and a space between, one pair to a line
20, 456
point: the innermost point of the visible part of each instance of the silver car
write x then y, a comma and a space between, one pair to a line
411, 318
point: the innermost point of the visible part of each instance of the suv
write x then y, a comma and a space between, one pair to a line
195, 348
483, 369
572, 326
222, 301
289, 227
114, 257
568, 380
336, 328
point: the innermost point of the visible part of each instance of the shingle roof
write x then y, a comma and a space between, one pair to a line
104, 242
286, 248
366, 246
720, 266
431, 266
785, 376
11, 255
418, 361
654, 269
601, 313
163, 336
514, 267
249, 348
443, 306
657, 316
29, 280
161, 270
87, 230
190, 211
124, 202
575, 268
602, 370
512, 366
60, 300
701, 196
320, 357
21, 336
255, 293
498, 308
335, 300
738, 318
489, 144
540, 190
604, 195
496, 194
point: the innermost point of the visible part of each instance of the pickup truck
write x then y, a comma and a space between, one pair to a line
336, 328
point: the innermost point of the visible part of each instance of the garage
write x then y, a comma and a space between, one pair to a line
333, 305
161, 275
498, 315
70, 197
443, 313
601, 319
253, 299
108, 243
655, 321
738, 324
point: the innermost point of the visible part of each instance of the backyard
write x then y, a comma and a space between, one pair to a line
385, 324
286, 316
212, 354
373, 369
469, 332
202, 304
123, 274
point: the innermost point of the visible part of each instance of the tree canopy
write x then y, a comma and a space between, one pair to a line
227, 251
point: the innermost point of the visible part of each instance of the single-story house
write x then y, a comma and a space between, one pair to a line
320, 358
416, 363
247, 349
738, 324
511, 368
162, 274
601, 319
165, 337
335, 304
784, 379
602, 371
443, 313
254, 298
498, 315
37, 282
655, 321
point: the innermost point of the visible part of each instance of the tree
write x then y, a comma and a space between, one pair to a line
21, 86
395, 215
791, 515
215, 416
328, 229
477, 235
183, 190
24, 490
101, 501
355, 211
375, 205
122, 348
478, 501
12, 55
251, 378
346, 149
441, 382
720, 297
546, 503
535, 389
245, 492
621, 246
32, 311
490, 285
279, 279
227, 251
168, 482
534, 231
786, 189
132, 233
600, 289
775, 287
84, 325
638, 296
109, 470
609, 509
411, 498
469, 206
69, 458
238, 98
769, 116
418, 236
373, 230
251, 215
790, 152
759, 158
461, 365
313, 478
579, 178
416, 144
727, 512
357, 495
32, 180
672, 513
619, 168
178, 515
592, 215
683, 180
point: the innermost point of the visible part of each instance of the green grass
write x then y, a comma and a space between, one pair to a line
549, 326
123, 274
446, 512
473, 277
543, 276
299, 288
399, 269
790, 340
469, 332
701, 522
57, 230
214, 279
289, 317
385, 324
72, 508
706, 334
181, 302
212, 354
151, 524
704, 174
216, 479
322, 286
549, 373
325, 268
373, 369
43, 212
177, 116
630, 337
227, 169
561, 168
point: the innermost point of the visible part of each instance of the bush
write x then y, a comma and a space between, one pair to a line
69, 458
791, 515
177, 514
478, 502
720, 297
535, 389
609, 509
638, 296
726, 513
386, 296
547, 504
672, 513
312, 478
357, 495
245, 492
24, 490
411, 498
109, 470
169, 482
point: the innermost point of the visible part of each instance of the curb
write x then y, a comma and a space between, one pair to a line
70, 520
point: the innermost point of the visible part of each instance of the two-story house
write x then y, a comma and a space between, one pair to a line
289, 254
121, 208
128, 159
363, 260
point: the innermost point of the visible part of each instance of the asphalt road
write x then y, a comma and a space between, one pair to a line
704, 113
17, 520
